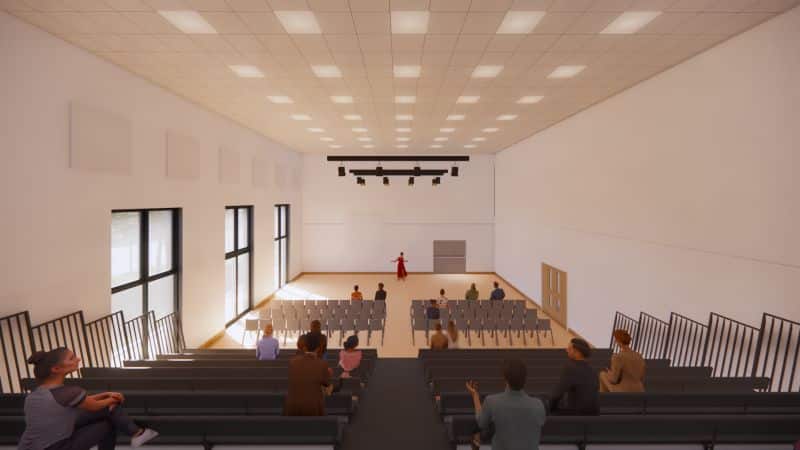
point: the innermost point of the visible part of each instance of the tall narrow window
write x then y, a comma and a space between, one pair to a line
145, 262
281, 246
238, 261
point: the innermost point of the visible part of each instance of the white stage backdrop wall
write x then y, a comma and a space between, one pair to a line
680, 194
56, 205
351, 228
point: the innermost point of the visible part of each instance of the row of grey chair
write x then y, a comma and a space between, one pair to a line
330, 324
484, 317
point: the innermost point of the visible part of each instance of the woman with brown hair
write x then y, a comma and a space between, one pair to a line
627, 368
453, 341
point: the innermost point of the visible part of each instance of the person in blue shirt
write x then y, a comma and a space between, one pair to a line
268, 347
515, 417
497, 293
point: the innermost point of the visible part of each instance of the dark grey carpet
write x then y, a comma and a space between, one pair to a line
397, 411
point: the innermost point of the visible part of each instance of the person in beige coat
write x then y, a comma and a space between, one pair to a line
627, 368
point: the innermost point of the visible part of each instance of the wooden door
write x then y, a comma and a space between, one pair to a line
554, 293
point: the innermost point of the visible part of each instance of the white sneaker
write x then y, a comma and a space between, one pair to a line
144, 437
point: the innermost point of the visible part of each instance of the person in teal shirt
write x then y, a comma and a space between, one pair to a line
516, 417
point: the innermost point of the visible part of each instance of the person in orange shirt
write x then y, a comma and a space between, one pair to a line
356, 294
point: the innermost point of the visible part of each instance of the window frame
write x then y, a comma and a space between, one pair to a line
235, 253
282, 234
145, 278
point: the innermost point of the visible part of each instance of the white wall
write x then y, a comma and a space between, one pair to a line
351, 228
680, 194
55, 227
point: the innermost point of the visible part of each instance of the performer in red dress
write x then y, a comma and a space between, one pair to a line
401, 267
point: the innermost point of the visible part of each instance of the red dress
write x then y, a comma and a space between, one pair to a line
401, 268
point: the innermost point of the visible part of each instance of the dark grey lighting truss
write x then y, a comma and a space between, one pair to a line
414, 172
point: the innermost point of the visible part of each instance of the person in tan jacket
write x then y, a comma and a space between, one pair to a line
627, 368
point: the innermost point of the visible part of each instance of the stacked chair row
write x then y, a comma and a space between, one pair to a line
681, 405
213, 397
509, 317
291, 317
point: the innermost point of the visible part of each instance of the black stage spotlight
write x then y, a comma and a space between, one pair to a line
410, 181
379, 171
341, 171
385, 181
454, 171
361, 181
417, 171
436, 181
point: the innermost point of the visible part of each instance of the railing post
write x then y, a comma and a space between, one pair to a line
708, 337
758, 344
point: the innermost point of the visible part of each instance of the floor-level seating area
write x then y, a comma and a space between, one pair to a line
482, 319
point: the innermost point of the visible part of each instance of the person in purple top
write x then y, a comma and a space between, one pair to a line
268, 347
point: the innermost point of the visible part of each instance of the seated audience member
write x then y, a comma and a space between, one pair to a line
432, 312
350, 357
309, 380
59, 417
268, 347
438, 339
316, 330
453, 341
356, 294
578, 382
301, 344
442, 298
472, 293
497, 293
516, 418
380, 294
627, 368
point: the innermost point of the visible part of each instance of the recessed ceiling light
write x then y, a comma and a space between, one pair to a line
299, 22
486, 71
402, 139
447, 130
441, 138
479, 139
300, 117
341, 99
359, 130
326, 139
404, 117
352, 117
530, 99
247, 71
435, 146
506, 117
368, 146
316, 130
520, 22
410, 22
405, 99
190, 22
364, 138
335, 146
566, 71
455, 117
327, 71
401, 146
490, 130
468, 99
280, 99
630, 22
403, 130
470, 146
407, 71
